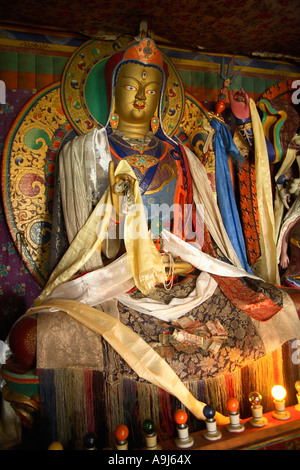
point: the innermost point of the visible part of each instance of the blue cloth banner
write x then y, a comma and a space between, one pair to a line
224, 146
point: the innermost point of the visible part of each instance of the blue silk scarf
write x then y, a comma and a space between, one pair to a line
224, 146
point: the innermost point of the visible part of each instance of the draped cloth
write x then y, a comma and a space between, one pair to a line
266, 267
143, 272
88, 229
224, 147
145, 261
142, 265
246, 190
203, 194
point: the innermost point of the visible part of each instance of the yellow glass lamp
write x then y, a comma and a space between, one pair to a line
279, 393
297, 387
257, 420
55, 445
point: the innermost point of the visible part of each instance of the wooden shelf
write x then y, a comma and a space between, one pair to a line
251, 438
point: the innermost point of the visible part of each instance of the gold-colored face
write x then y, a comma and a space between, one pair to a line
137, 94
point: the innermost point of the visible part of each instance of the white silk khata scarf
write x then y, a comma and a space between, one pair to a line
116, 280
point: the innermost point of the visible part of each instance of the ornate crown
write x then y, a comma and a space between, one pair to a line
146, 52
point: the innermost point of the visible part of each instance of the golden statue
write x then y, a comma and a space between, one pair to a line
143, 252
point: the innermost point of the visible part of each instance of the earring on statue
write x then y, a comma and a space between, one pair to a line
154, 124
114, 121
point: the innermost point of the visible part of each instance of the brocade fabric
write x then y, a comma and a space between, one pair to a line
63, 342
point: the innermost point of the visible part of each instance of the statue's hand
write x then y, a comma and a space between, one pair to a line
178, 267
294, 186
284, 260
239, 102
181, 268
285, 197
120, 185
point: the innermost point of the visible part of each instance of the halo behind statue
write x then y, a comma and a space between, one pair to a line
83, 90
28, 169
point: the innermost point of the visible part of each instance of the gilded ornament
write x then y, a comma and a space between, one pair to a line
29, 159
154, 124
114, 121
141, 162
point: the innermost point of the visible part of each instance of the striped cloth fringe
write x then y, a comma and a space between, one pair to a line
78, 401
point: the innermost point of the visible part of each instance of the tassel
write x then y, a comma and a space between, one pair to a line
99, 401
167, 420
229, 385
74, 385
77, 401
216, 393
69, 386
155, 412
144, 402
89, 400
236, 380
114, 409
48, 404
261, 378
64, 422
135, 438
194, 423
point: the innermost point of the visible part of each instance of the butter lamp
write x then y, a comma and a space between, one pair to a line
212, 433
278, 393
257, 420
297, 387
121, 434
150, 435
184, 440
235, 425
55, 445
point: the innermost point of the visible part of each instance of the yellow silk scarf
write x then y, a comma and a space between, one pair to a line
145, 261
267, 267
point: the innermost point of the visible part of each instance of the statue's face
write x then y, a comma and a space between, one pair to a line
137, 93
